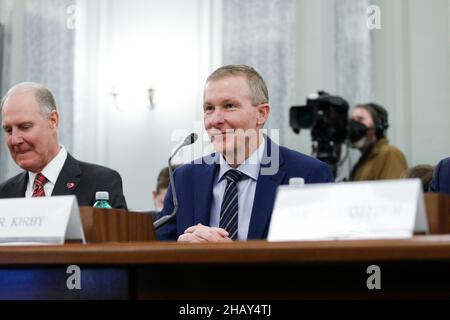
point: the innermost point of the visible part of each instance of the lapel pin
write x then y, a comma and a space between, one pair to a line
70, 185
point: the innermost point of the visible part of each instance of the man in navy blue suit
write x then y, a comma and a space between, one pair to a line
441, 177
230, 194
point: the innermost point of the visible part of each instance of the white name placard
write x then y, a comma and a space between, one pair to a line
349, 210
44, 220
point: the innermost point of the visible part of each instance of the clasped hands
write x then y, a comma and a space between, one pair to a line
200, 234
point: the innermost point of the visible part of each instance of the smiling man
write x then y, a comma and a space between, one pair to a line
30, 123
232, 197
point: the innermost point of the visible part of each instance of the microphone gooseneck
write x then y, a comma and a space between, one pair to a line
190, 139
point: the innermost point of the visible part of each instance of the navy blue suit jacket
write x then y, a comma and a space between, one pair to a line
441, 177
194, 187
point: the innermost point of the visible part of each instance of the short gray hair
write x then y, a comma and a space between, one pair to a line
43, 96
257, 85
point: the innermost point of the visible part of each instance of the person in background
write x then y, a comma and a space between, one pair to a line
441, 177
162, 184
423, 171
30, 124
367, 132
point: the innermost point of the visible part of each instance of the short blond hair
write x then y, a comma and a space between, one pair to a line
257, 85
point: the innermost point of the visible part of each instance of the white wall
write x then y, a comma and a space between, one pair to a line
430, 80
141, 43
412, 75
315, 52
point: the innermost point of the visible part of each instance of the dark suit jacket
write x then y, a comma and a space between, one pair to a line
194, 186
78, 178
441, 177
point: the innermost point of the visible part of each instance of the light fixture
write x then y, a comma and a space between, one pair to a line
151, 97
114, 96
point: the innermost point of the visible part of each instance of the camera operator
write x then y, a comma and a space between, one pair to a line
367, 132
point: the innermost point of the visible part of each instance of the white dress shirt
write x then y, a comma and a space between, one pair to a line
51, 172
246, 190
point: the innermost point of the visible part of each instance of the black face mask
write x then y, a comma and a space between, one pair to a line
356, 131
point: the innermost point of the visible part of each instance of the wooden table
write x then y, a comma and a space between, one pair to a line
411, 268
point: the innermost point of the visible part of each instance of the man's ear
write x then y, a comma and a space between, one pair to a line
263, 113
53, 119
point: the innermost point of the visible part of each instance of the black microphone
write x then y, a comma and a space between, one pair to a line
190, 139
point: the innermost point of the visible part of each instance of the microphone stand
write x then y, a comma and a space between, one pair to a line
169, 218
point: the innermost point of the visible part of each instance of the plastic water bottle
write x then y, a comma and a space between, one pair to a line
101, 200
296, 182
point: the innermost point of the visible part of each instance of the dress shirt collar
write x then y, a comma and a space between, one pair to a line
250, 167
53, 168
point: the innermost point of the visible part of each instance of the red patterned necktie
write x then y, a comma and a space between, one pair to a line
39, 182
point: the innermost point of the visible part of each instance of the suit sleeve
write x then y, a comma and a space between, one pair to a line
169, 231
434, 184
320, 174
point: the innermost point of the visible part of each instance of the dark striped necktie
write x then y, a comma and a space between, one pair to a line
39, 182
230, 207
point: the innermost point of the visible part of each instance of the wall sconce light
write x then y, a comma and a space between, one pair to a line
151, 97
114, 96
